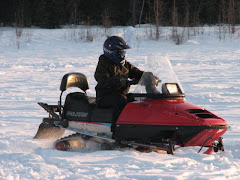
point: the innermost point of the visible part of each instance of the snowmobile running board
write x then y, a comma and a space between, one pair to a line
96, 135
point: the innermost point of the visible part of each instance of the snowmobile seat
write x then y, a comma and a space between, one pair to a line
74, 80
80, 107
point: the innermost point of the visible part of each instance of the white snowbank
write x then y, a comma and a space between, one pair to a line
209, 72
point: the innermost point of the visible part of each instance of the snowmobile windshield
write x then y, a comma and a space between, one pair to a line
158, 80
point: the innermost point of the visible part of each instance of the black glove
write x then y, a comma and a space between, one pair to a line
133, 82
150, 79
125, 83
151, 82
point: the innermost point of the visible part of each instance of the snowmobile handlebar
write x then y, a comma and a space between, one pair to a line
136, 81
132, 82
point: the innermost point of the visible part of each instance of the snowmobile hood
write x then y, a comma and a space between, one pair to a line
168, 112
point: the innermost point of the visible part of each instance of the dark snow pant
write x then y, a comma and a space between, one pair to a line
117, 102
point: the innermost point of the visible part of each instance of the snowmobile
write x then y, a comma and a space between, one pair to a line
157, 117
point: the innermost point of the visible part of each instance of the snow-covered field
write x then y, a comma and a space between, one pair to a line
208, 69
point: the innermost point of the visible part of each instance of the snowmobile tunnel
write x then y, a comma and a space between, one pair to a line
74, 80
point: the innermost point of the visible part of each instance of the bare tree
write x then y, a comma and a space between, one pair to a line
140, 17
149, 28
19, 22
74, 12
222, 20
238, 12
186, 21
73, 19
231, 16
106, 21
175, 35
223, 13
89, 35
174, 15
133, 4
158, 14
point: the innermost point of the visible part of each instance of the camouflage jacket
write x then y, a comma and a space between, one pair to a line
108, 76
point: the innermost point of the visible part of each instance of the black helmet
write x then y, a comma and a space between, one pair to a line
115, 49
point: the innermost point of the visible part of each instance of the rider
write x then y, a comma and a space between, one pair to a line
112, 73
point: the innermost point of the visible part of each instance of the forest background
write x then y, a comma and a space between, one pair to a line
108, 13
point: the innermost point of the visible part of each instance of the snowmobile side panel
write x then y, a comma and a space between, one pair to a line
157, 133
94, 127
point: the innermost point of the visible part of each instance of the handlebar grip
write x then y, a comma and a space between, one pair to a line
133, 82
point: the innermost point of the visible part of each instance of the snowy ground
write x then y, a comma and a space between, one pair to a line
208, 69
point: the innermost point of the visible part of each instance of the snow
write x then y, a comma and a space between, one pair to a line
207, 68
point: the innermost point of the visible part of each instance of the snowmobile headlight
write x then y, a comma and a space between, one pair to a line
173, 88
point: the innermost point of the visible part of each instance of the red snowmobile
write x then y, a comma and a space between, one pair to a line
157, 116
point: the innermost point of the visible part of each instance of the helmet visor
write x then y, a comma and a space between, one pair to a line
119, 53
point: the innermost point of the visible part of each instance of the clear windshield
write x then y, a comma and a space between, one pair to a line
158, 71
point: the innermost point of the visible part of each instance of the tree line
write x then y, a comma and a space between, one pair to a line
55, 13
